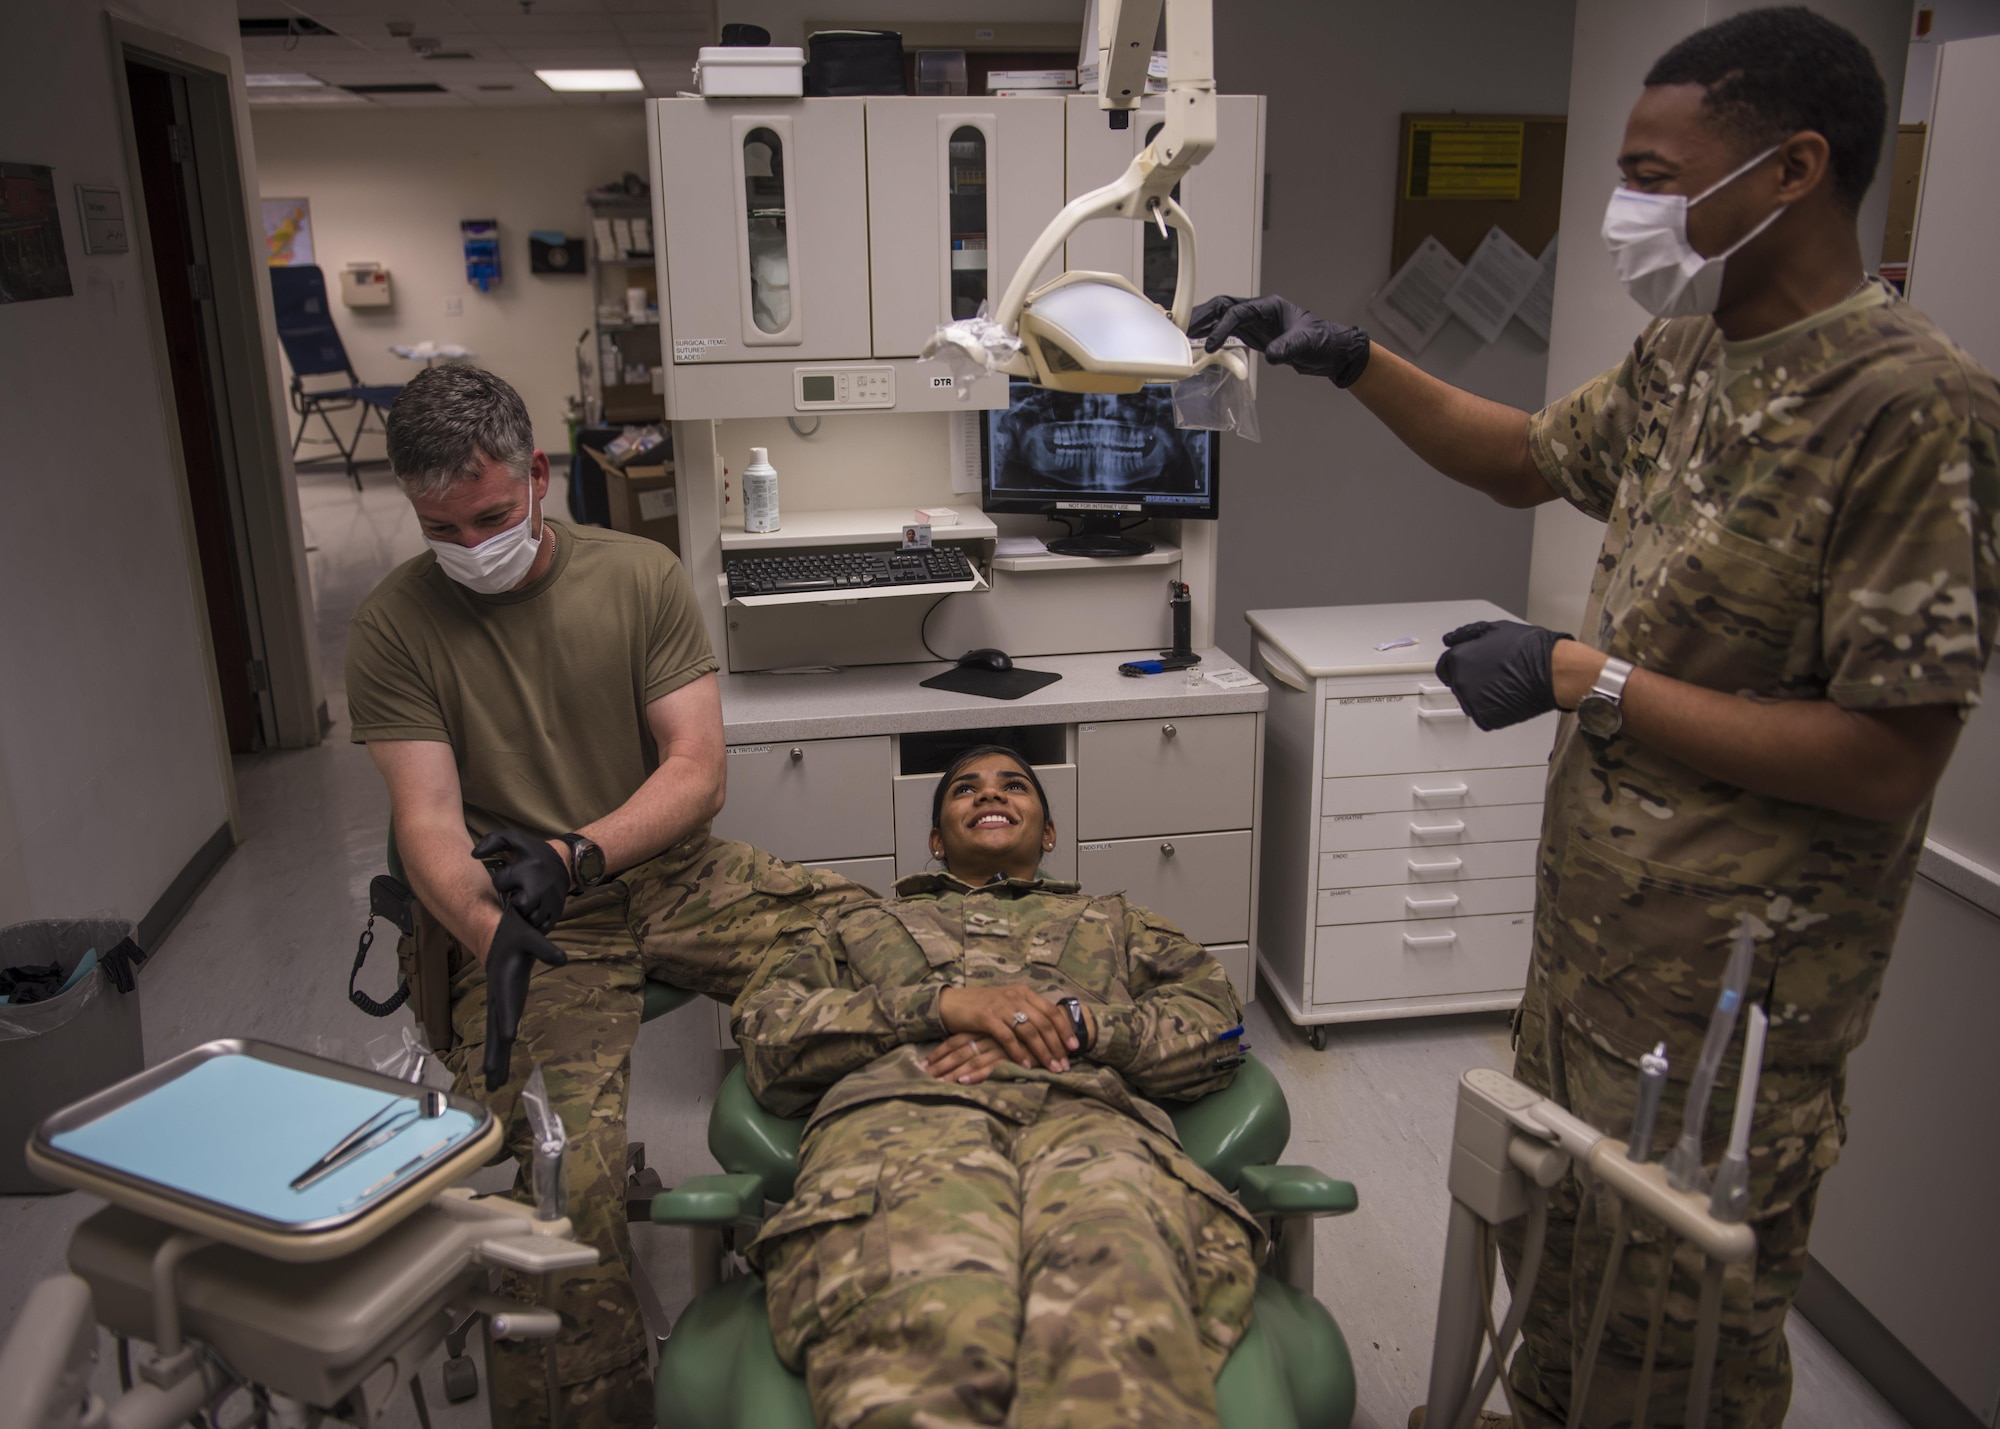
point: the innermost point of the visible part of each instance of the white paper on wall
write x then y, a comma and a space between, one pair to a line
1411, 304
1538, 308
1493, 284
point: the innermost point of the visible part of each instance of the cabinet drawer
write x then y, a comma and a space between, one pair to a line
1367, 868
814, 800
876, 875
1241, 967
1457, 789
1365, 962
1436, 901
1201, 881
1396, 734
1431, 828
1165, 776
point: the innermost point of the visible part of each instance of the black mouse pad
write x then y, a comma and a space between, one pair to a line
992, 684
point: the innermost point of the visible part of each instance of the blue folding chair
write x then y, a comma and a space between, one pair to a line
314, 349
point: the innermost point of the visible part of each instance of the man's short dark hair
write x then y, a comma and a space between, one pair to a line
1771, 73
451, 417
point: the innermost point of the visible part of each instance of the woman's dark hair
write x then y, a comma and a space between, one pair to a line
980, 751
1771, 73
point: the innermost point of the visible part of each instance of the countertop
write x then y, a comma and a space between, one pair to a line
1332, 640
887, 699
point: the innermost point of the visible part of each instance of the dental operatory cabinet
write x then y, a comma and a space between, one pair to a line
806, 250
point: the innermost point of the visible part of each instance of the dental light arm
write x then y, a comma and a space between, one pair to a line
1114, 340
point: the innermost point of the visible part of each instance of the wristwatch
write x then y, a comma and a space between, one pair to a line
586, 861
1602, 711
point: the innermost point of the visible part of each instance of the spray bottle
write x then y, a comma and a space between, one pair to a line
760, 492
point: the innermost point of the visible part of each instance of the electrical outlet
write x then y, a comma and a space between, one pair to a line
454, 307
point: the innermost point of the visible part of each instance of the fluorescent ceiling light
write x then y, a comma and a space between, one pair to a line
282, 81
590, 81
304, 96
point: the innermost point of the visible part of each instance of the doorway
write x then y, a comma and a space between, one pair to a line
177, 229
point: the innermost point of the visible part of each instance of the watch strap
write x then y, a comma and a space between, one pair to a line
1611, 680
576, 843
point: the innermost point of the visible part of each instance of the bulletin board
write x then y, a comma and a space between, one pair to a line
1458, 175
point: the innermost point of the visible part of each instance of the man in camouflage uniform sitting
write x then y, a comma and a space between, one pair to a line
992, 1222
1801, 573
548, 691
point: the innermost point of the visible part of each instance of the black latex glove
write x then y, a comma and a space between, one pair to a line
1286, 334
516, 948
532, 876
1500, 671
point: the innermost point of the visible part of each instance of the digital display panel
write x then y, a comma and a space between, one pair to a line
1049, 448
816, 389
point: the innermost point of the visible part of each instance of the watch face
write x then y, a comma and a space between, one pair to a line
1599, 716
589, 863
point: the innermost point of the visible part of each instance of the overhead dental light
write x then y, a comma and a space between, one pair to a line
1096, 332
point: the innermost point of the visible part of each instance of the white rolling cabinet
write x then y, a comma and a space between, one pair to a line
1400, 878
765, 214
959, 188
1224, 197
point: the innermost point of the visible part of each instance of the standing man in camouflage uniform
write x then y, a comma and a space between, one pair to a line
1796, 599
547, 691
992, 1222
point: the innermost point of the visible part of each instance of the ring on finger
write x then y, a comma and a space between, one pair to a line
1020, 1018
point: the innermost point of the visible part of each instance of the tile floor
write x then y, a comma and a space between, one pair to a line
264, 952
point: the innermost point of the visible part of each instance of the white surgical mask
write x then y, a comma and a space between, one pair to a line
1647, 236
495, 564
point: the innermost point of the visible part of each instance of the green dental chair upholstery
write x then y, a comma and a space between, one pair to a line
719, 1370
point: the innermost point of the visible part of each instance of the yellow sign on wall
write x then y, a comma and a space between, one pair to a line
1454, 158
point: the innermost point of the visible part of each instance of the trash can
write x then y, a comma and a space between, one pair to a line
63, 1048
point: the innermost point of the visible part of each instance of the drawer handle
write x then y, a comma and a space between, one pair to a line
1422, 905
1450, 865
1450, 791
1439, 831
1167, 849
1429, 689
1431, 940
1168, 730
797, 754
1453, 713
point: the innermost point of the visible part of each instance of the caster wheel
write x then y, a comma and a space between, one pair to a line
461, 1379
1316, 1038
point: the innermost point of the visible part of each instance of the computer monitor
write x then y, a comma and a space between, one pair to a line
1100, 458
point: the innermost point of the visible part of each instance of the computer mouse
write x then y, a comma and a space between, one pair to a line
994, 660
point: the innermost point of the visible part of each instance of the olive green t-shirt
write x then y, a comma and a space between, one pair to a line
540, 692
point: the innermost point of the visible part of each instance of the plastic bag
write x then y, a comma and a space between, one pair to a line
65, 943
546, 1130
403, 1052
971, 348
1217, 400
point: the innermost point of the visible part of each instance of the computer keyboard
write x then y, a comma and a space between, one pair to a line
844, 570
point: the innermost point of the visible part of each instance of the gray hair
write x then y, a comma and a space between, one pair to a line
447, 420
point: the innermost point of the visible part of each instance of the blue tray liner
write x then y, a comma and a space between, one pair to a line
235, 1130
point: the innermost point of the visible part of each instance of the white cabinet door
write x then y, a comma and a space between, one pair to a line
816, 801
1201, 881
1223, 195
1145, 777
766, 219
959, 188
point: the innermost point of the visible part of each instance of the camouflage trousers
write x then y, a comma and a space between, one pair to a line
1794, 1140
941, 1265
700, 916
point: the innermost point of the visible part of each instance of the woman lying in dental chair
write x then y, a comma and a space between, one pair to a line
992, 1224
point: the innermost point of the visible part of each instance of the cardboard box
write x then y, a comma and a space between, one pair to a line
645, 501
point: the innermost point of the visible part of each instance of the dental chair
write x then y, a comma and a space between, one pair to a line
1291, 1370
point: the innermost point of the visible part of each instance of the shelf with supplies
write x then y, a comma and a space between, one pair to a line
1162, 554
874, 525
